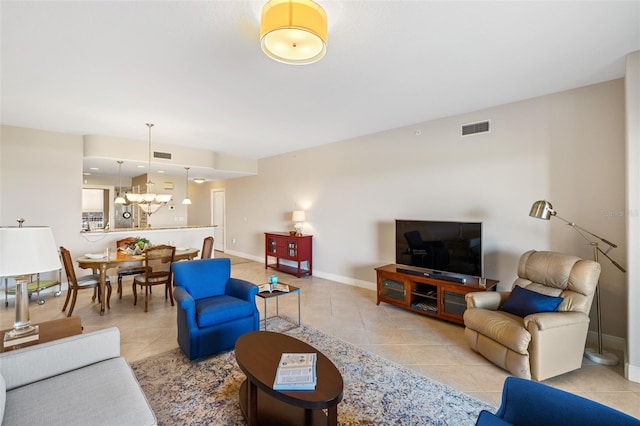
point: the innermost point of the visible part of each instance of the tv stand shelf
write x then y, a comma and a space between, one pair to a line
434, 293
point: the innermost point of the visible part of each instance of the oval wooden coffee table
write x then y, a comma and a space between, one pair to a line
258, 354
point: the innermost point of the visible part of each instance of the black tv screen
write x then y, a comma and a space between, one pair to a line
441, 246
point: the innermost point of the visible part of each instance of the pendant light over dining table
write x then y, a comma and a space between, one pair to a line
149, 202
120, 199
187, 200
294, 31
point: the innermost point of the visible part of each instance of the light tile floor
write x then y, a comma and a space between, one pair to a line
432, 347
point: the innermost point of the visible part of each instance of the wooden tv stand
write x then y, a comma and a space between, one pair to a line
423, 291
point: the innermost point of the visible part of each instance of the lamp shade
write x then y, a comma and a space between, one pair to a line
298, 216
27, 250
542, 209
294, 31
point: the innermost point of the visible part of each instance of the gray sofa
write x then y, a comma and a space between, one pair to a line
79, 380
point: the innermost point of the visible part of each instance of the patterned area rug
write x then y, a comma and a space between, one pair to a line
376, 391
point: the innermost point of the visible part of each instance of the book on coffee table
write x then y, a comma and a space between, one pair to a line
273, 287
296, 371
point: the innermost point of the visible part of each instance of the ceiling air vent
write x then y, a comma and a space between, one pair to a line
473, 128
163, 155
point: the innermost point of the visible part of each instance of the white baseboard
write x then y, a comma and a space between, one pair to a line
245, 256
346, 280
632, 372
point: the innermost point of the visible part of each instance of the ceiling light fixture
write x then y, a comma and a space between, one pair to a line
120, 199
294, 31
149, 202
187, 200
199, 180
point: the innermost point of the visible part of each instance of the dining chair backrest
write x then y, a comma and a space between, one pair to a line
68, 267
157, 262
207, 248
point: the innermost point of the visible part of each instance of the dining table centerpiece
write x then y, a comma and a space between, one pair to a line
138, 245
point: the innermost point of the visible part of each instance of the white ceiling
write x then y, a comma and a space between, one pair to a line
195, 68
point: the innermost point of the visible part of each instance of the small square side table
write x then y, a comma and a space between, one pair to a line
268, 295
50, 330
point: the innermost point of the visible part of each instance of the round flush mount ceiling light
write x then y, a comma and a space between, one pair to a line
293, 31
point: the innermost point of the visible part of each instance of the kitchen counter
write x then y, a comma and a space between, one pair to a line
154, 228
178, 236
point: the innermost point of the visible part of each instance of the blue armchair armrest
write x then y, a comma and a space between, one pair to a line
186, 314
241, 289
186, 302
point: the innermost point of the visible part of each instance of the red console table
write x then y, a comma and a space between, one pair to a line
284, 246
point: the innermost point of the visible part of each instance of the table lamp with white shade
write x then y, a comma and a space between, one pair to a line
25, 251
298, 217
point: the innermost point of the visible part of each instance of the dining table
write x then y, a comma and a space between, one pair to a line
122, 259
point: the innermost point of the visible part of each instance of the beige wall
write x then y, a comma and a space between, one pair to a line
567, 147
199, 213
41, 179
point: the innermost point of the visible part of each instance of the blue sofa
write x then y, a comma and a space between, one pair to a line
213, 308
528, 403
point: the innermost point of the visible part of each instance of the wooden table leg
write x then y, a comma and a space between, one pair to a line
103, 286
332, 415
252, 403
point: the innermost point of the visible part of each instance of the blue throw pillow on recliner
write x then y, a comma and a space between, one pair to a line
523, 302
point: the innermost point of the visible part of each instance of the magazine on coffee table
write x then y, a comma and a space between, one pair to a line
296, 371
273, 287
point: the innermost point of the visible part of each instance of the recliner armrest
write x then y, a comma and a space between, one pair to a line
241, 289
549, 320
491, 300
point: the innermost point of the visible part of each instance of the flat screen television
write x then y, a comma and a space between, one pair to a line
440, 246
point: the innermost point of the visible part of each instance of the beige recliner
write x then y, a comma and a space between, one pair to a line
543, 344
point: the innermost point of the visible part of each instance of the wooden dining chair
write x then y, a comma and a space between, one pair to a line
207, 248
157, 271
75, 284
127, 270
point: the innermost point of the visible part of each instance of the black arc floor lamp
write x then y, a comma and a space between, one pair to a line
543, 209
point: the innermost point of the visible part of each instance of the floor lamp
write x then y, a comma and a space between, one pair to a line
544, 210
25, 251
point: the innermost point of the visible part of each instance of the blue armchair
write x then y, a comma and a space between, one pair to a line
528, 403
213, 308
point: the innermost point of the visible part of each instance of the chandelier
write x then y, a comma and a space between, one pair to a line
149, 202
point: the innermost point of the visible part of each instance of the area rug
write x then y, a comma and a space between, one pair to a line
376, 391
